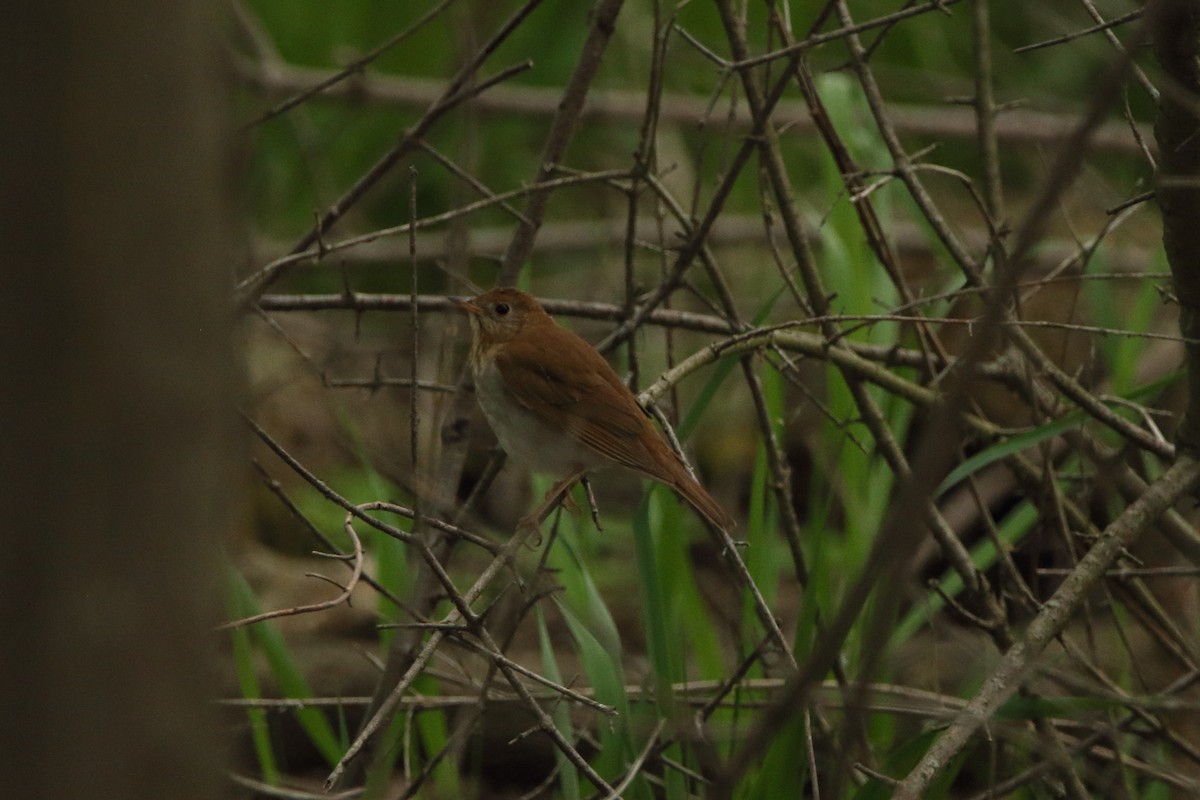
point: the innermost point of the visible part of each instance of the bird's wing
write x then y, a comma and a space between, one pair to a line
566, 382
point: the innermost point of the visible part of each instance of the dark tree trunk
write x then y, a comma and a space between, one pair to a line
115, 378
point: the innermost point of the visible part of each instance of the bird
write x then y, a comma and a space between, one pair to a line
556, 404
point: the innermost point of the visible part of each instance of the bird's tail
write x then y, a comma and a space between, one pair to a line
699, 498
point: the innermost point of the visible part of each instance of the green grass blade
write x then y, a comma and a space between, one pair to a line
1019, 522
607, 678
663, 650
1008, 447
568, 783
1022, 441
288, 674
243, 658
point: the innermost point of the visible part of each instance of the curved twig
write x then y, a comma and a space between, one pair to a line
344, 597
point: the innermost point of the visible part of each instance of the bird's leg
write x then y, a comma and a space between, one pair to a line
557, 494
587, 487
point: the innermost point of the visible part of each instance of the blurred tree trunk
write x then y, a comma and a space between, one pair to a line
114, 398
1176, 29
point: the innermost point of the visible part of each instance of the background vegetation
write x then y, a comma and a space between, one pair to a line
895, 276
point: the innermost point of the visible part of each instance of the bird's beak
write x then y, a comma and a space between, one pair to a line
467, 306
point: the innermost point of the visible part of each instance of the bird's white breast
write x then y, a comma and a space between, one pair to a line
524, 435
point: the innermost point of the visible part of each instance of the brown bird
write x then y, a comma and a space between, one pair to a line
556, 404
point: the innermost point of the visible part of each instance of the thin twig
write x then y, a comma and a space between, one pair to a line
310, 608
1181, 478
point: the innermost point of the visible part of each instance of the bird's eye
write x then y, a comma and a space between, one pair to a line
502, 308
